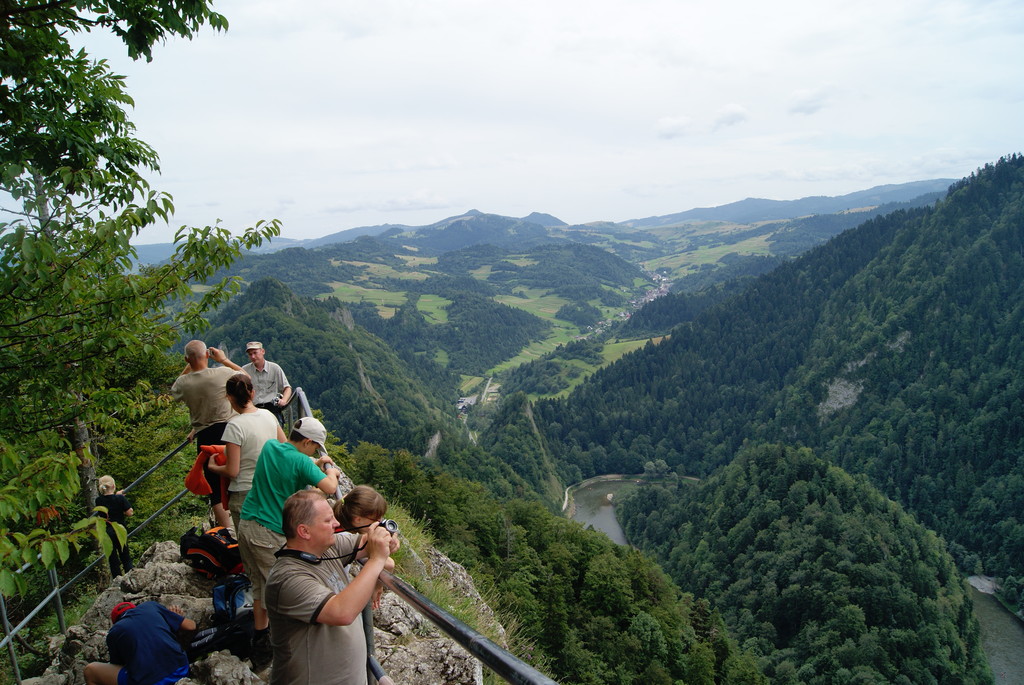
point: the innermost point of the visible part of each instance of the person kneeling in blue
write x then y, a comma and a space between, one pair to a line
143, 645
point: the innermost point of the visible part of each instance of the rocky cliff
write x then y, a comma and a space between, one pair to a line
410, 649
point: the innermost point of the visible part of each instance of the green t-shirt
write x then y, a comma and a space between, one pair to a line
281, 471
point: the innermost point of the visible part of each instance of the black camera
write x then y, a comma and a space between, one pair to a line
389, 525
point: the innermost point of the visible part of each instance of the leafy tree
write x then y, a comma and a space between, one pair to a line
815, 567
71, 314
591, 611
582, 314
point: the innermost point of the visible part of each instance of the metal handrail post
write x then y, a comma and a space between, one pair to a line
57, 602
10, 640
505, 665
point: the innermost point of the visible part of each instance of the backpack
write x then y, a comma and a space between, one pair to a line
230, 596
213, 553
234, 636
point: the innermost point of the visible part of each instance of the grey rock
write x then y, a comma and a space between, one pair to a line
410, 648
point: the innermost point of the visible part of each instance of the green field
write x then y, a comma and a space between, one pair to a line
614, 350
537, 302
433, 308
414, 260
347, 292
561, 333
470, 383
372, 270
684, 262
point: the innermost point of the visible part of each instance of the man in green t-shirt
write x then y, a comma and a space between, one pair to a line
283, 468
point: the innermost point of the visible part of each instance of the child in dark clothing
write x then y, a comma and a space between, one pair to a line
118, 507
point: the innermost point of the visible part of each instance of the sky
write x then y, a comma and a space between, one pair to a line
334, 114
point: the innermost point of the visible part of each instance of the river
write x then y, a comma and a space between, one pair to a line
1002, 635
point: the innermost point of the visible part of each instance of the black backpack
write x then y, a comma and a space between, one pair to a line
213, 553
229, 597
234, 636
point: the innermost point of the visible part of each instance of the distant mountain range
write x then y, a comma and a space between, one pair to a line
455, 232
753, 210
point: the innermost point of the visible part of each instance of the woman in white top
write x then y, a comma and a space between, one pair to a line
244, 437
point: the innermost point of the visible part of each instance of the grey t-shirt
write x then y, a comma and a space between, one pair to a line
205, 394
306, 651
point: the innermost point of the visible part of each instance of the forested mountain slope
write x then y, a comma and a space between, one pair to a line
591, 611
814, 570
894, 350
364, 390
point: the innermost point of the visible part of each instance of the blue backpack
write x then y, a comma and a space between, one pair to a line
230, 596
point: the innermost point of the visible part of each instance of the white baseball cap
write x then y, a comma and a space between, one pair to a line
310, 428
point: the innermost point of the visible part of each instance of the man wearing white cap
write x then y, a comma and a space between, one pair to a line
282, 469
272, 388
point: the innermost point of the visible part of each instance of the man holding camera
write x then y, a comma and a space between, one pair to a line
272, 389
201, 387
314, 607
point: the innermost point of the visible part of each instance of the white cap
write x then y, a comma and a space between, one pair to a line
310, 428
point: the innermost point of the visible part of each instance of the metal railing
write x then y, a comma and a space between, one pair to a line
503, 664
500, 661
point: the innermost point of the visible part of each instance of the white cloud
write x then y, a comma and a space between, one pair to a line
325, 111
809, 101
731, 115
673, 127
419, 200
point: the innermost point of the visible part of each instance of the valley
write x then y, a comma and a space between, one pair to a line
722, 376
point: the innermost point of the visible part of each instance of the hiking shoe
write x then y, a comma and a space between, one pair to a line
262, 653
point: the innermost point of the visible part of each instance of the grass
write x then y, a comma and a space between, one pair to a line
409, 564
43, 627
538, 302
470, 383
561, 333
433, 307
375, 270
347, 292
415, 260
683, 262
613, 351
520, 261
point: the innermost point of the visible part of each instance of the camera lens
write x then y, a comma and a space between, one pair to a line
389, 525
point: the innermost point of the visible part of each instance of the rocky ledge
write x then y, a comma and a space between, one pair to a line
410, 649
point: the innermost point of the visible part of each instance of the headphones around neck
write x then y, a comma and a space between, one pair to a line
311, 558
298, 554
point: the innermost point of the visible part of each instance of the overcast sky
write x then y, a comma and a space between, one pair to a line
332, 114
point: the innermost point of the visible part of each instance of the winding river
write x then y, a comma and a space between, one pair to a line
1002, 635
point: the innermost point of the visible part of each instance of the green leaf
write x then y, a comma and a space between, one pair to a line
63, 550
46, 552
9, 583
